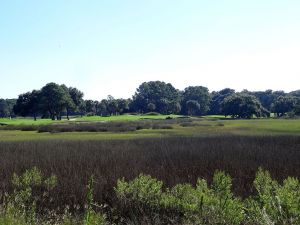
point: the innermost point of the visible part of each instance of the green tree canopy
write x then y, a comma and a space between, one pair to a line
284, 104
28, 104
243, 106
4, 111
159, 93
54, 99
200, 95
193, 107
217, 98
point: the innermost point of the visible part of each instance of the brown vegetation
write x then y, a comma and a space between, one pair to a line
172, 160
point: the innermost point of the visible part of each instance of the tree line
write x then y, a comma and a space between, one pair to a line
54, 101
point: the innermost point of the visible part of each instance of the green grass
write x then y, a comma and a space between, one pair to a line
263, 126
33, 135
25, 121
30, 121
216, 116
123, 117
201, 127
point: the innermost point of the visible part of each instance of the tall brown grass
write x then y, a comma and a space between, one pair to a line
172, 160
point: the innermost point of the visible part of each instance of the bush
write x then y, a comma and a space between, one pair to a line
22, 203
161, 126
104, 127
29, 128
200, 205
32, 188
274, 204
144, 200
188, 124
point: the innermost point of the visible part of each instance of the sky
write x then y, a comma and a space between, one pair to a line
109, 47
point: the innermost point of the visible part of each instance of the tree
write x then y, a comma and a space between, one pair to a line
82, 108
295, 93
217, 99
243, 106
297, 107
28, 104
112, 105
76, 97
164, 106
22, 105
159, 93
267, 97
193, 107
200, 95
97, 103
283, 104
102, 108
151, 107
90, 107
123, 105
6, 107
4, 110
175, 107
10, 107
54, 99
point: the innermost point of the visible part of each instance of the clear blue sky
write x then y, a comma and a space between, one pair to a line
110, 46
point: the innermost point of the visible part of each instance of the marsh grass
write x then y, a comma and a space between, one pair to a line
173, 160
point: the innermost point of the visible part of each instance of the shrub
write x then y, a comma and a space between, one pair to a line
29, 128
274, 204
22, 203
200, 205
20, 207
142, 190
188, 124
144, 200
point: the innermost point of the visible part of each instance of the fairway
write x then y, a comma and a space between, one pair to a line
30, 121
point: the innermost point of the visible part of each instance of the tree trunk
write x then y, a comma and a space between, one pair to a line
68, 114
